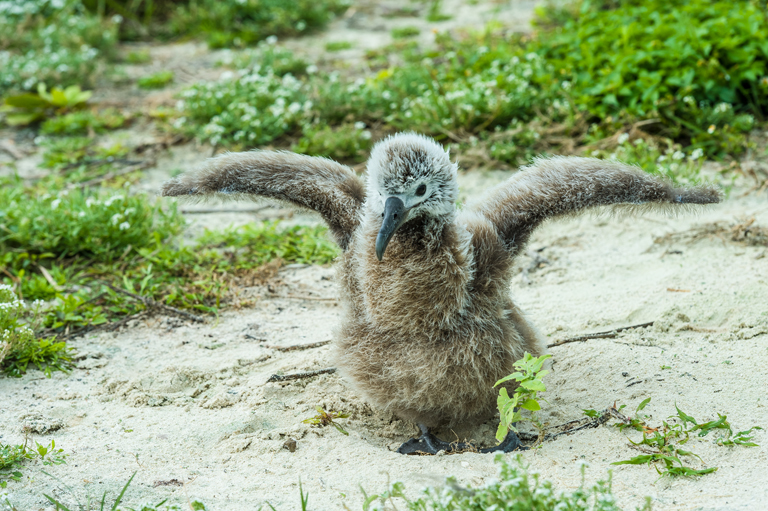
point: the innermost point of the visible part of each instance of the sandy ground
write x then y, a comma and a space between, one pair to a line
188, 406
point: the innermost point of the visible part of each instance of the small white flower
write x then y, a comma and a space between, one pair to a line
112, 199
116, 218
623, 138
271, 39
311, 69
711, 129
81, 214
359, 125
129, 211
124, 226
55, 204
678, 155
697, 153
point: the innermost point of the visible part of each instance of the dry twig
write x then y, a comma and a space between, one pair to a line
150, 303
297, 347
610, 334
300, 376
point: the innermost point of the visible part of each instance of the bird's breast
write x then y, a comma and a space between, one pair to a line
422, 281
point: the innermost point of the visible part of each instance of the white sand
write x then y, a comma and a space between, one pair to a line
201, 413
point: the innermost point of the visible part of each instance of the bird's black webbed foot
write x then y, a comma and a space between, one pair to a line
428, 443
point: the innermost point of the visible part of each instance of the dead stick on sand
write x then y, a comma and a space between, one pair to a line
297, 347
304, 297
149, 302
610, 334
586, 423
300, 376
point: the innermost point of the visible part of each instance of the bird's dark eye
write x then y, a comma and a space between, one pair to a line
421, 190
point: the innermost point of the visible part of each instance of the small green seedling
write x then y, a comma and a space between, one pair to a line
27, 108
405, 32
156, 81
332, 46
324, 418
529, 375
666, 440
12, 457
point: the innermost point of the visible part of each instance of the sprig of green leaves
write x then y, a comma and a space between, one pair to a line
529, 375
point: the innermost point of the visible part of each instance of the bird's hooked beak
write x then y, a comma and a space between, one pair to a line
395, 213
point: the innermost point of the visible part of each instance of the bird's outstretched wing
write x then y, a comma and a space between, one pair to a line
566, 185
320, 184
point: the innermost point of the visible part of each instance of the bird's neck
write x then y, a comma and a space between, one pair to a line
423, 276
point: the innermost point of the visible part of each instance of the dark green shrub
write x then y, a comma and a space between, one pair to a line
692, 63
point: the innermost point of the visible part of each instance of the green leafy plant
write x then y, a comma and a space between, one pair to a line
435, 13
405, 32
245, 23
529, 376
13, 457
19, 346
52, 43
324, 418
156, 81
333, 46
138, 57
517, 489
677, 61
346, 142
662, 158
665, 441
84, 122
23, 109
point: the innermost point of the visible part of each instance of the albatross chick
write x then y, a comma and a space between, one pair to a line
428, 324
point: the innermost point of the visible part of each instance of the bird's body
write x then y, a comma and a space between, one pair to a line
428, 332
429, 326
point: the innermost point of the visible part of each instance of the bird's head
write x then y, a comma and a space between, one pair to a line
409, 176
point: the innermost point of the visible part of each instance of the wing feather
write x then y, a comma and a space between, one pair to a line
566, 185
319, 184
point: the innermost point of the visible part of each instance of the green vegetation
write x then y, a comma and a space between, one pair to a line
324, 418
529, 376
84, 122
517, 489
698, 66
26, 108
67, 247
434, 13
51, 43
346, 142
337, 46
19, 347
138, 57
245, 23
195, 505
502, 99
13, 458
404, 32
156, 81
662, 444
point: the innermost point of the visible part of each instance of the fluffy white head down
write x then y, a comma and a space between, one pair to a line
416, 169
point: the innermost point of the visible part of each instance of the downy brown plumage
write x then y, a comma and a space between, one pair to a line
428, 325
